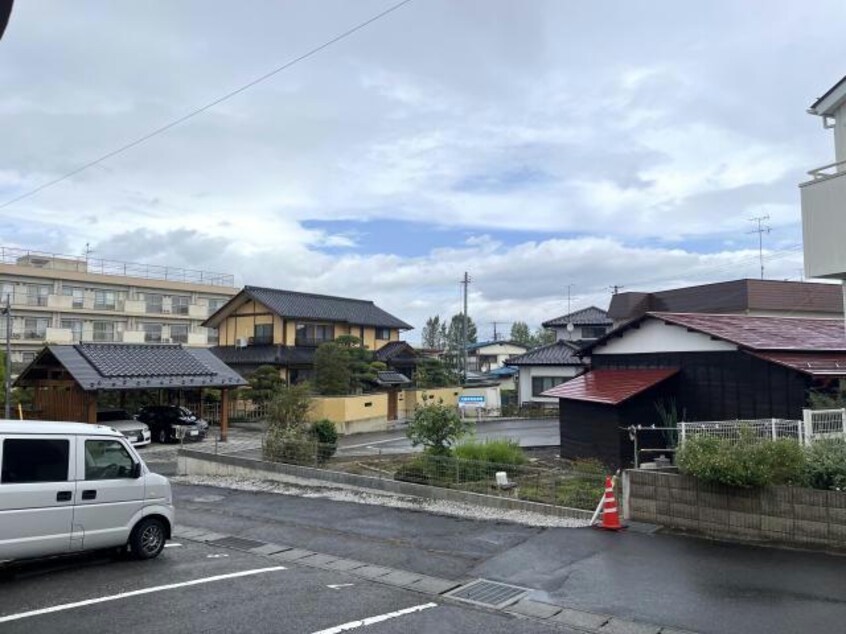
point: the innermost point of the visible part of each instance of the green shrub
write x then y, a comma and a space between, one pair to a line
747, 462
437, 427
325, 434
419, 470
500, 451
825, 467
278, 446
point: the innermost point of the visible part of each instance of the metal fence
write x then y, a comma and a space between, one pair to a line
560, 487
239, 412
815, 425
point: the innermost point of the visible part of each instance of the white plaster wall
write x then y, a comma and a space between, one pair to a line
528, 372
654, 335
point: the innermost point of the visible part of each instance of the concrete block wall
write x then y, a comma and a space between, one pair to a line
787, 515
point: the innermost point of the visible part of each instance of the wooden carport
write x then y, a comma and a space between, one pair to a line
67, 379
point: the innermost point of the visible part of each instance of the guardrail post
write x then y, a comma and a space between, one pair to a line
807, 426
775, 433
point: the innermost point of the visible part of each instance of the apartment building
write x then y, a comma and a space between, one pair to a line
64, 299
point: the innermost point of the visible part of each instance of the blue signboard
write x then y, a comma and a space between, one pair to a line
464, 401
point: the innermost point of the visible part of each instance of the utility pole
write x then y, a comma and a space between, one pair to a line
616, 288
761, 230
7, 311
465, 283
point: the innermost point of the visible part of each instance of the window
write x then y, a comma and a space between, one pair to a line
36, 294
104, 300
35, 328
7, 290
179, 304
263, 334
104, 331
383, 333
153, 303
179, 333
593, 332
152, 333
541, 384
107, 460
314, 334
34, 460
215, 303
213, 336
76, 293
75, 326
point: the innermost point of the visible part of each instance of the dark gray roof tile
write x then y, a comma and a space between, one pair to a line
558, 353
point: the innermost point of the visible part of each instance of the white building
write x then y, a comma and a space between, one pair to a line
65, 300
488, 356
824, 196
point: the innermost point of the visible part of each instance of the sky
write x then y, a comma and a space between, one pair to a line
537, 145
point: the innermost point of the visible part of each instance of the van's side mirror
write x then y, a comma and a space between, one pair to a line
136, 470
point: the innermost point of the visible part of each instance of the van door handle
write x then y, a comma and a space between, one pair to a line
64, 496
90, 494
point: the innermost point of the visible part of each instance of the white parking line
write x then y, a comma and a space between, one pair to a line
135, 593
375, 619
172, 545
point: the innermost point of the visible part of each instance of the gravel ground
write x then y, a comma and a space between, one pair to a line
301, 487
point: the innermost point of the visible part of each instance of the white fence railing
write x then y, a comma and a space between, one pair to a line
815, 424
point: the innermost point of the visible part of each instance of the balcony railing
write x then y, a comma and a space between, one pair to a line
55, 261
837, 168
308, 342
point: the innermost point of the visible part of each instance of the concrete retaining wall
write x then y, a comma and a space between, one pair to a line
787, 515
200, 463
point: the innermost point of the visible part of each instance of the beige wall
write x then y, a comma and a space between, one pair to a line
416, 398
352, 414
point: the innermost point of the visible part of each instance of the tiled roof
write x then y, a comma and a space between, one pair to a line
558, 353
389, 377
394, 349
813, 363
134, 366
485, 344
297, 305
765, 333
590, 316
609, 387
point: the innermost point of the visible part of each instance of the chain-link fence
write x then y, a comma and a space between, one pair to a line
562, 487
823, 423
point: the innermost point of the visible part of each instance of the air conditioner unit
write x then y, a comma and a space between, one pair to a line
242, 342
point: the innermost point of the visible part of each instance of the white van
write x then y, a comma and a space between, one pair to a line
72, 487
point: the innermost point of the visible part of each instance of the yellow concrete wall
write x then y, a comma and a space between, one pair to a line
352, 414
415, 398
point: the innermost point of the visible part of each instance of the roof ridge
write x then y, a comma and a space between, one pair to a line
321, 295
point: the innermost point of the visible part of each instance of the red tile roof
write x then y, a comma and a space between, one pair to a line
610, 387
765, 333
813, 363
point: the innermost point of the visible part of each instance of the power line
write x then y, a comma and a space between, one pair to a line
761, 230
207, 106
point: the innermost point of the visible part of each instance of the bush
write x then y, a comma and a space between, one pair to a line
325, 434
278, 446
825, 467
437, 427
747, 462
507, 452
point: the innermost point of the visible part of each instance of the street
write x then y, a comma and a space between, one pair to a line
631, 580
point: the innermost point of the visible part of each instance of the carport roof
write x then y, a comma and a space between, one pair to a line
610, 387
109, 366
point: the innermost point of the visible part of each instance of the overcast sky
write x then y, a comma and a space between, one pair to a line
533, 144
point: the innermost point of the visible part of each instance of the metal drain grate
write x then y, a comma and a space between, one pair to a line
240, 543
488, 593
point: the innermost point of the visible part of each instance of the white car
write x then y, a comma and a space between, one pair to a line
73, 487
136, 432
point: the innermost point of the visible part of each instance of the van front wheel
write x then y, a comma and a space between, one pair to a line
147, 539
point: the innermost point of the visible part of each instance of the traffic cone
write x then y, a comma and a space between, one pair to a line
610, 514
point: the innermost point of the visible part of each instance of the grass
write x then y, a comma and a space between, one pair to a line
503, 452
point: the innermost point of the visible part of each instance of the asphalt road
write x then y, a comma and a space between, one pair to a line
671, 580
205, 594
538, 432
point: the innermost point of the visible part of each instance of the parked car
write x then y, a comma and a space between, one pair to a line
170, 423
136, 432
73, 487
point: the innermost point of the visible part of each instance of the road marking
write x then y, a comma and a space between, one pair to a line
217, 556
172, 545
375, 442
335, 586
370, 620
135, 593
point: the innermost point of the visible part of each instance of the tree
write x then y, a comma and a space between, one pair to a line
434, 373
542, 337
286, 438
429, 337
437, 427
332, 373
521, 334
264, 383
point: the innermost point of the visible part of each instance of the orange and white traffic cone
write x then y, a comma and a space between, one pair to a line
610, 514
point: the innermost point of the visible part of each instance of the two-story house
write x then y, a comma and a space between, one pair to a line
267, 326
